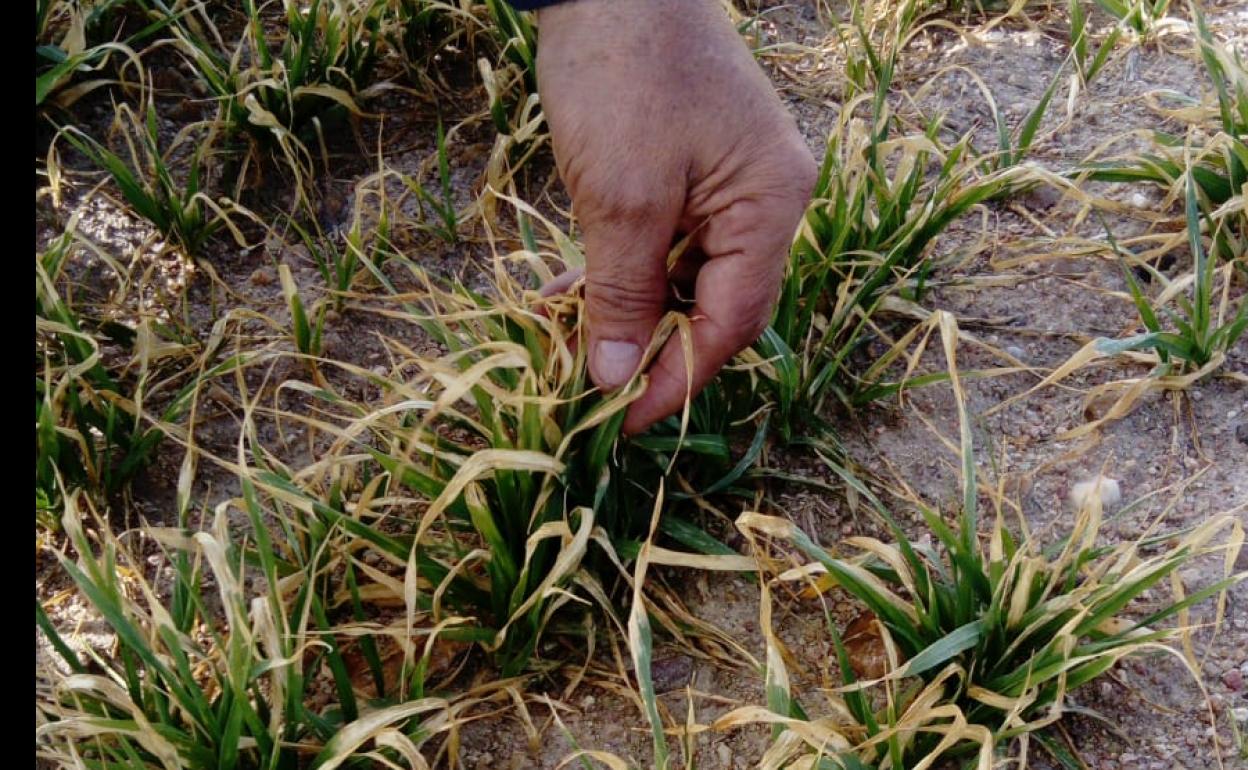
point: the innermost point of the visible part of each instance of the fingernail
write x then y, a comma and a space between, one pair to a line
614, 362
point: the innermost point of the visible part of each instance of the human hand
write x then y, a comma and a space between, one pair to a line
663, 125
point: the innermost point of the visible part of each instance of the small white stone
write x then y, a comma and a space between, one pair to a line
1102, 487
1240, 714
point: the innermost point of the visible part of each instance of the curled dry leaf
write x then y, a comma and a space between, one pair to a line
865, 647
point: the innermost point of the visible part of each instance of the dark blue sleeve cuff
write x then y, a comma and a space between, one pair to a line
531, 5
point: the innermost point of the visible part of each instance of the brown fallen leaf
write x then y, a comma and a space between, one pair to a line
865, 647
442, 660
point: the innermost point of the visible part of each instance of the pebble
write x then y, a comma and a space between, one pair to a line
1217, 702
1108, 489
671, 673
1241, 432
1234, 680
263, 276
1240, 714
1016, 351
1044, 197
725, 755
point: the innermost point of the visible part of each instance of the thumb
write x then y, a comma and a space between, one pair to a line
625, 291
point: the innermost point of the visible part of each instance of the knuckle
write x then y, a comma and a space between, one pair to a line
619, 187
754, 321
625, 203
616, 295
761, 228
785, 169
797, 170
746, 315
755, 327
805, 173
756, 304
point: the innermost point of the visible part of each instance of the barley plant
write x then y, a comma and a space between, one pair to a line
984, 634
880, 202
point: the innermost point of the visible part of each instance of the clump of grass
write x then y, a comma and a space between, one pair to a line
1003, 634
879, 204
529, 495
283, 82
286, 81
1140, 16
1079, 39
445, 220
1203, 331
419, 30
545, 445
1192, 323
346, 257
89, 430
174, 202
202, 685
1214, 154
85, 45
515, 36
987, 637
